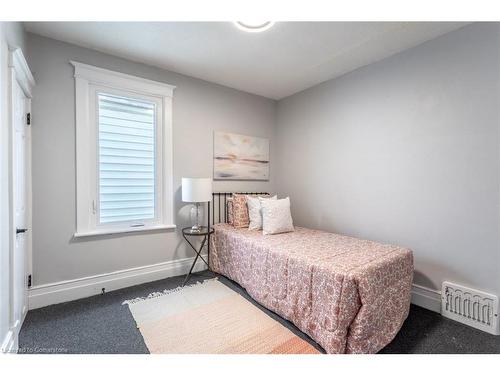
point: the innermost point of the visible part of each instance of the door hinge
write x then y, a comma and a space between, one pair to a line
29, 281
28, 118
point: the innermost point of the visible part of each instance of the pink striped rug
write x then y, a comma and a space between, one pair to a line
211, 318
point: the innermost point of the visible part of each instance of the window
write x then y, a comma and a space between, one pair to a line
123, 152
127, 168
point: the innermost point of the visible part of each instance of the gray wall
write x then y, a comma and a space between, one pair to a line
199, 108
405, 151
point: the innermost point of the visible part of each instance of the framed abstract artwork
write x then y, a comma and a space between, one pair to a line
240, 157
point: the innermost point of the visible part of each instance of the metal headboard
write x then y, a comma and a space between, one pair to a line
217, 209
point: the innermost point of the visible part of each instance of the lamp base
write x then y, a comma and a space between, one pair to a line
195, 229
196, 217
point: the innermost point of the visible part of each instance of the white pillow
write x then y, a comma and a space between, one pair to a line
255, 211
276, 216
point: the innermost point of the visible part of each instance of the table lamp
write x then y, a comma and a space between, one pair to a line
196, 190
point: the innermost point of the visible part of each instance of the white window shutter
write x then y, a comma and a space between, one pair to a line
126, 158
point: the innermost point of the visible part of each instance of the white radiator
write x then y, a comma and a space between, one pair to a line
469, 306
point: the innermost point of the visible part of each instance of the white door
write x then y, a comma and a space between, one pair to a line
21, 210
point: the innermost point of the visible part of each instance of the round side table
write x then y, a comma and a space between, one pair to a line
204, 232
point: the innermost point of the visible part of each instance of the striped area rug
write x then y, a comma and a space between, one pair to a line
210, 318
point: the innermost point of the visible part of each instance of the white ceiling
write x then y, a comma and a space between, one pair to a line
286, 59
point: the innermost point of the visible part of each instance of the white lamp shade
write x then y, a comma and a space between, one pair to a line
196, 189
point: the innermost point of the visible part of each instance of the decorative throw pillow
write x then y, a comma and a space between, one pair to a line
230, 211
240, 211
255, 211
276, 216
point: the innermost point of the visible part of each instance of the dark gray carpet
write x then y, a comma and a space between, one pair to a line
101, 324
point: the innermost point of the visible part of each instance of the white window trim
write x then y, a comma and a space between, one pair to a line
85, 76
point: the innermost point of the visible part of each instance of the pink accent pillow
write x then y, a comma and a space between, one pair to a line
230, 211
240, 211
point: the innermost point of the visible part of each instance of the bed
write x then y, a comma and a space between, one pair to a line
347, 294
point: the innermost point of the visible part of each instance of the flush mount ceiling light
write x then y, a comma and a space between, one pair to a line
254, 27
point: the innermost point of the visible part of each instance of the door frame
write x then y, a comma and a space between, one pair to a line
19, 72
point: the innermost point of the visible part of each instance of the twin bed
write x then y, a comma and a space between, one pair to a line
349, 295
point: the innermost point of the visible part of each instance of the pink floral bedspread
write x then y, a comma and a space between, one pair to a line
349, 295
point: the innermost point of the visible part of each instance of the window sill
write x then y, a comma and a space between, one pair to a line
104, 232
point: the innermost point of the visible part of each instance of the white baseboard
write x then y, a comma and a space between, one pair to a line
427, 298
69, 290
8, 343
